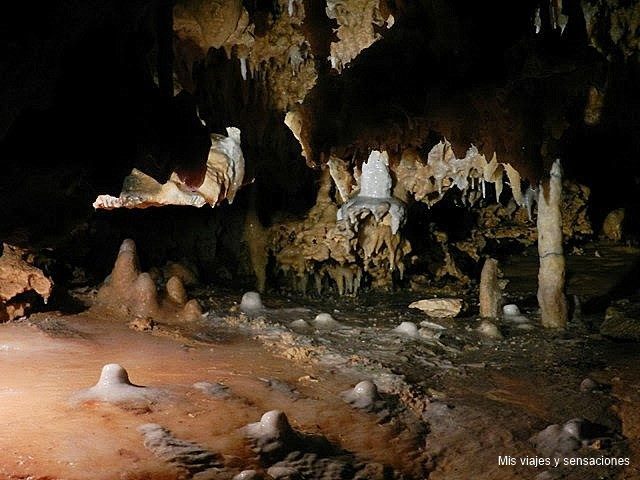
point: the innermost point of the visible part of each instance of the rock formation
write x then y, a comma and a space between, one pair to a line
356, 20
321, 247
490, 289
129, 293
612, 225
17, 277
551, 275
223, 177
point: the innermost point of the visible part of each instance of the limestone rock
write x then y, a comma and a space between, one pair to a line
612, 225
223, 178
18, 276
356, 20
363, 396
622, 324
251, 302
439, 307
490, 289
489, 330
551, 274
129, 292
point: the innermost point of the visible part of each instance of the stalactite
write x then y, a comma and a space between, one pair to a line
551, 275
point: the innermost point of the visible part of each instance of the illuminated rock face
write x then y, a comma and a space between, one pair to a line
130, 293
223, 178
280, 57
321, 249
356, 21
18, 276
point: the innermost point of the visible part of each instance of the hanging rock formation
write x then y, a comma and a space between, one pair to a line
355, 32
223, 178
280, 56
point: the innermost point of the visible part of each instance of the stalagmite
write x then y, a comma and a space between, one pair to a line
551, 275
256, 238
251, 302
612, 225
375, 195
490, 289
128, 292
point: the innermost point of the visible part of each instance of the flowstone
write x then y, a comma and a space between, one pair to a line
321, 251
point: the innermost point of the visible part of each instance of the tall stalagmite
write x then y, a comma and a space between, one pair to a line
490, 291
551, 275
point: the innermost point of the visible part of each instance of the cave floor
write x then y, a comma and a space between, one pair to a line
452, 401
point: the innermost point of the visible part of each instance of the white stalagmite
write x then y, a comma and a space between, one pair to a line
551, 275
375, 195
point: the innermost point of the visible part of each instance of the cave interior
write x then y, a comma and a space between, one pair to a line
320, 239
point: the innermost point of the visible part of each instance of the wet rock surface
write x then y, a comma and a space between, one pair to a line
446, 403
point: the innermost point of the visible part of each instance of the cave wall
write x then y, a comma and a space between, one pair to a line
87, 96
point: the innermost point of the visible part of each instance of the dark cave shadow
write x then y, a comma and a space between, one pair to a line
627, 286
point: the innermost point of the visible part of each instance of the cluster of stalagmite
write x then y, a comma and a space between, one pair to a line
223, 178
18, 277
133, 294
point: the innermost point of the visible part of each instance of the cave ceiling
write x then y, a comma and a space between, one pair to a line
311, 80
